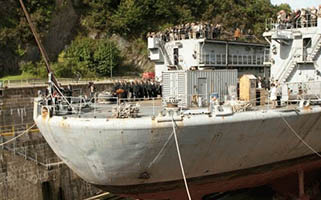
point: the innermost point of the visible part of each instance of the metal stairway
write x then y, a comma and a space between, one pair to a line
289, 70
292, 63
316, 50
164, 52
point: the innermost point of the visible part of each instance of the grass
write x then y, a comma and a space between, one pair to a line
23, 76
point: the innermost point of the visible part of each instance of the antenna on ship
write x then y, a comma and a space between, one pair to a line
52, 79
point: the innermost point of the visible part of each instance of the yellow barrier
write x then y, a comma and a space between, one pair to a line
13, 130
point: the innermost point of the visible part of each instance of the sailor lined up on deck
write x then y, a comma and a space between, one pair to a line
138, 89
189, 31
299, 18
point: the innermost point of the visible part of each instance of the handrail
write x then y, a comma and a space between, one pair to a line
234, 59
288, 64
163, 49
309, 23
314, 48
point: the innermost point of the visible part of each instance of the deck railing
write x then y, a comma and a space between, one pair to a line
307, 23
233, 59
106, 105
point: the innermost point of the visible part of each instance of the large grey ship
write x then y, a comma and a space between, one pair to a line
225, 140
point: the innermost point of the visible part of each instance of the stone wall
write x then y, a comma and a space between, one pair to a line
16, 104
21, 175
23, 179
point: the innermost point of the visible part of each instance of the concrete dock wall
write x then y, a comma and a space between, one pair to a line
21, 175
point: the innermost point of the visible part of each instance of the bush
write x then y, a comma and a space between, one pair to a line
88, 58
37, 69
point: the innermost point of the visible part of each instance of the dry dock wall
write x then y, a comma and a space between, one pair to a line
16, 103
22, 178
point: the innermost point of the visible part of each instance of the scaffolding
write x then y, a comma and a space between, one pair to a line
34, 149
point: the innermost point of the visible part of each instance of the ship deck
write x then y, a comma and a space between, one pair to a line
148, 108
104, 109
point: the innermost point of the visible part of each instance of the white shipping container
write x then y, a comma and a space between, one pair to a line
189, 86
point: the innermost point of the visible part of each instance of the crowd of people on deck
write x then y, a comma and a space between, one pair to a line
138, 89
130, 90
189, 31
299, 18
305, 17
200, 30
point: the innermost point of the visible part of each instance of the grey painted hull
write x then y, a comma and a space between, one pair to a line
130, 152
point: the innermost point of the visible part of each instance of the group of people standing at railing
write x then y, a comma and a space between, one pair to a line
299, 18
138, 89
189, 31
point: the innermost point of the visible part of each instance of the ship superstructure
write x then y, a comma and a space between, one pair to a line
295, 51
295, 57
205, 53
200, 131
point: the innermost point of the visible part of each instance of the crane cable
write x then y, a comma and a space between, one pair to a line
300, 138
41, 48
180, 158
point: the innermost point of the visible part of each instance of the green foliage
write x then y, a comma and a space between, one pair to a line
14, 29
134, 18
106, 57
284, 6
23, 76
88, 58
36, 69
72, 69
129, 18
95, 14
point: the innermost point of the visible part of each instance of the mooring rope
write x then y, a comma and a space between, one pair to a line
300, 138
180, 159
24, 132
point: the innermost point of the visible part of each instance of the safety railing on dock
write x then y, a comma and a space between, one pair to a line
33, 149
16, 129
64, 81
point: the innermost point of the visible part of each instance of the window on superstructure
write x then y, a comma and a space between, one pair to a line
306, 44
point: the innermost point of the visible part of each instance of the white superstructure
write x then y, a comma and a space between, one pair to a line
295, 52
207, 54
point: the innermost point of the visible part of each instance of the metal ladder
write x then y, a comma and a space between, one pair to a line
164, 52
292, 63
315, 51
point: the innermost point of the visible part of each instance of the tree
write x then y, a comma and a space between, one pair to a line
106, 58
88, 57
128, 18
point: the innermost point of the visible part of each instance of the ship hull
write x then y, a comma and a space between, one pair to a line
139, 157
204, 186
